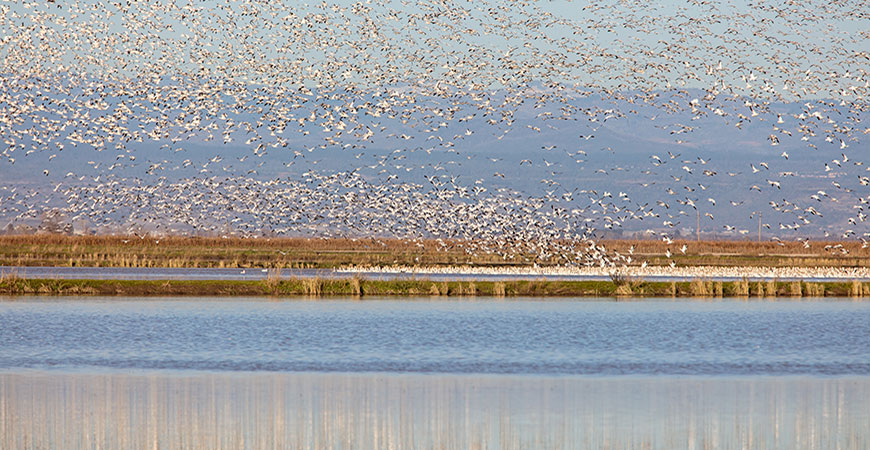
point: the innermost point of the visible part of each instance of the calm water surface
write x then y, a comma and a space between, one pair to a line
424, 336
417, 373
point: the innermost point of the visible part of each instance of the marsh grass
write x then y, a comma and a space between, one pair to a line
444, 288
813, 289
748, 253
770, 289
133, 251
856, 289
498, 289
312, 286
700, 288
626, 286
757, 289
275, 285
174, 251
273, 280
742, 288
794, 289
356, 286
623, 290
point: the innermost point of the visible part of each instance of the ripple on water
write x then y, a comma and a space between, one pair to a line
423, 336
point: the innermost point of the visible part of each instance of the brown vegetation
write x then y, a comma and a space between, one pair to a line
11, 284
133, 251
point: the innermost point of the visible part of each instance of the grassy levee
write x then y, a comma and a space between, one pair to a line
356, 287
133, 251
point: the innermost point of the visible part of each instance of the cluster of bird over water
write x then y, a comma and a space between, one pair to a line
515, 128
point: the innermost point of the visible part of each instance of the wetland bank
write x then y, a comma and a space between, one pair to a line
335, 267
11, 284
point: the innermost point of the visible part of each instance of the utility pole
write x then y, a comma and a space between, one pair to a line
698, 228
759, 226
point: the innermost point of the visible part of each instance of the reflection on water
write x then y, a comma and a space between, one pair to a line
209, 411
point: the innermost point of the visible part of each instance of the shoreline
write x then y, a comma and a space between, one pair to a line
679, 272
625, 287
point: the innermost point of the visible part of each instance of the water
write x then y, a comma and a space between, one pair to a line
536, 337
418, 373
342, 411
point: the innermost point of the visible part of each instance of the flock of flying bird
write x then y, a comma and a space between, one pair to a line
378, 119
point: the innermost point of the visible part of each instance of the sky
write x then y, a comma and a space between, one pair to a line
564, 104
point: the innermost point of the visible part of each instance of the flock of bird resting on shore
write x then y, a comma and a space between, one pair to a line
502, 127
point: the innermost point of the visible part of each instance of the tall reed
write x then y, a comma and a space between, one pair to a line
770, 289
758, 289
794, 289
498, 289
273, 279
471, 289
814, 289
312, 286
356, 286
855, 290
699, 288
742, 287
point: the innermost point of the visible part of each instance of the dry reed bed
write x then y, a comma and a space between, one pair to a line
641, 246
133, 251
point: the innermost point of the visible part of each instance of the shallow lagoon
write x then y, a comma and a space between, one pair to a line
421, 373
